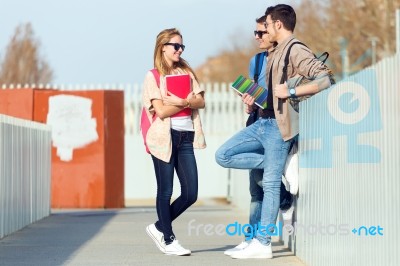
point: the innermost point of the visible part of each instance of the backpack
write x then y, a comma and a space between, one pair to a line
145, 122
257, 70
294, 102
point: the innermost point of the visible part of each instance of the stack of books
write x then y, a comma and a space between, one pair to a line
244, 85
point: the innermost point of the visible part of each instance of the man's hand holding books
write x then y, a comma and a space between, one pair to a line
248, 100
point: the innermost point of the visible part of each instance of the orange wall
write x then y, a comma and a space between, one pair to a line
114, 148
94, 178
17, 103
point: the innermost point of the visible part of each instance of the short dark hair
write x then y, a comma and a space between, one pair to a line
261, 19
283, 13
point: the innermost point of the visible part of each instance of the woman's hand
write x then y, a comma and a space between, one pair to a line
189, 99
191, 96
174, 100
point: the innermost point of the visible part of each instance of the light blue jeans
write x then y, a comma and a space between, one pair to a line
242, 152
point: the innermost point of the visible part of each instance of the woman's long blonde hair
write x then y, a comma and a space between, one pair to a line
159, 61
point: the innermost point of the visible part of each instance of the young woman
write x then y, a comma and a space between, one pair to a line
172, 137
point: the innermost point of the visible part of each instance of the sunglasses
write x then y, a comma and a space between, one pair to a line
176, 46
259, 33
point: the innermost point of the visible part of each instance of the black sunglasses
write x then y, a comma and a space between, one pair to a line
176, 46
259, 33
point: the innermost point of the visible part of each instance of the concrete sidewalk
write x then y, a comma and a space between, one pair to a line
118, 237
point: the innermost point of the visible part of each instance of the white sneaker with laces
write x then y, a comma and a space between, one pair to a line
255, 250
157, 236
176, 249
239, 247
287, 215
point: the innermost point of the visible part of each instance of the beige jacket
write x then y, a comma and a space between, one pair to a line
159, 134
302, 62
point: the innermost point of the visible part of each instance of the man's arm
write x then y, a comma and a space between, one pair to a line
305, 63
311, 88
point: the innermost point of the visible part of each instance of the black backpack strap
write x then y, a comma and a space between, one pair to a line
284, 71
323, 57
286, 62
259, 62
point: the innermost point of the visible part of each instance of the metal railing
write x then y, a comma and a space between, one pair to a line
25, 165
348, 199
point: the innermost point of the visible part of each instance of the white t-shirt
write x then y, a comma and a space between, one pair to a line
182, 123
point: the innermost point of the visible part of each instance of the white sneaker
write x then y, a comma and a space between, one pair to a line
239, 247
292, 173
176, 249
157, 236
287, 215
255, 250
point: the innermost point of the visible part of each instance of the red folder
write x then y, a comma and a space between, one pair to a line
180, 86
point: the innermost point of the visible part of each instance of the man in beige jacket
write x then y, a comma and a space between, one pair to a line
277, 126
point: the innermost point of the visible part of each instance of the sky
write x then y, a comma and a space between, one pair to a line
112, 41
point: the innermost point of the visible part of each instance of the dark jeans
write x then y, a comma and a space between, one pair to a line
184, 163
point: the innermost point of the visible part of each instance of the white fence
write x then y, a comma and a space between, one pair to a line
25, 165
348, 205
